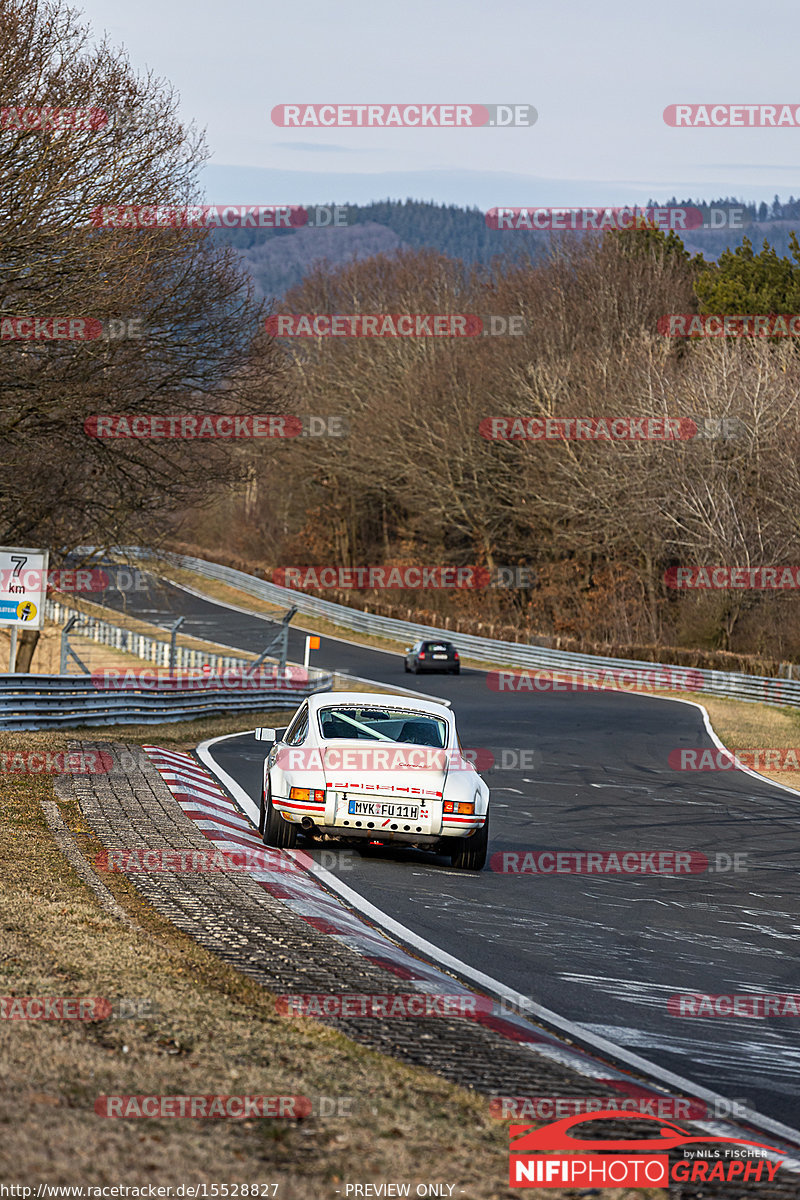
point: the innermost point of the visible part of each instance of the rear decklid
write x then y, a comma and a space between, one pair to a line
439, 650
385, 768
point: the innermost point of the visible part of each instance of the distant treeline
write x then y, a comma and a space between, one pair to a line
280, 259
445, 461
454, 231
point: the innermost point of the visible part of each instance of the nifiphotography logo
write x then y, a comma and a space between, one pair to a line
638, 1163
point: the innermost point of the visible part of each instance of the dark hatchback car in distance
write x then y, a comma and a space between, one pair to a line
432, 656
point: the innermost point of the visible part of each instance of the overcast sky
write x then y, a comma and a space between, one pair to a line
598, 74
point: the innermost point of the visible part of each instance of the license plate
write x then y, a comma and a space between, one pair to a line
380, 808
440, 656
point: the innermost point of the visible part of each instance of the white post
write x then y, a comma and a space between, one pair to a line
307, 653
12, 658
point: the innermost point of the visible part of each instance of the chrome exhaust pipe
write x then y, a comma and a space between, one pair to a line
307, 823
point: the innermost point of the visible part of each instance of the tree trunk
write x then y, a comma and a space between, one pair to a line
26, 644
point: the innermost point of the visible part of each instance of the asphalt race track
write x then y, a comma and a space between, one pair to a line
605, 951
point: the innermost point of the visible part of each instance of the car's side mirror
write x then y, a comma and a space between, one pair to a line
265, 733
408, 650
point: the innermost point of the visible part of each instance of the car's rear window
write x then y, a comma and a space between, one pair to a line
377, 724
438, 647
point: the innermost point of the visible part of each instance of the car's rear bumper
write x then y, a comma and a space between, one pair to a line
411, 837
333, 819
382, 835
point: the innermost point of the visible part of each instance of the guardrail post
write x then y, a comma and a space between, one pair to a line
281, 641
284, 651
66, 649
173, 633
285, 641
62, 670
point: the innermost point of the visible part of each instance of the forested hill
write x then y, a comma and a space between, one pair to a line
279, 259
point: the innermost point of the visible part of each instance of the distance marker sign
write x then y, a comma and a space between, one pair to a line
23, 584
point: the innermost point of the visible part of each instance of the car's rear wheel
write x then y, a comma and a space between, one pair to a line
469, 854
262, 811
455, 670
405, 664
275, 831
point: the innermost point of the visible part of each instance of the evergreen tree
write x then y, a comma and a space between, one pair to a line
745, 282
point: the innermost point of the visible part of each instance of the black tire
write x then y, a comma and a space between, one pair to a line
261, 812
469, 854
277, 832
405, 664
416, 668
455, 670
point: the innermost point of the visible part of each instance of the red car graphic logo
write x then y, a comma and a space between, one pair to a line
525, 1138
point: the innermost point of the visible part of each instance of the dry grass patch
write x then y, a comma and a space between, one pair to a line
743, 726
214, 1032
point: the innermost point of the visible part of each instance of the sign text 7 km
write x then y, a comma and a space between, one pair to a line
23, 584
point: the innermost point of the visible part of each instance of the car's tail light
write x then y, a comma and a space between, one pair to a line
422, 654
455, 655
307, 795
462, 808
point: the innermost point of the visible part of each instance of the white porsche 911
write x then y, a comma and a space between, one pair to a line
385, 768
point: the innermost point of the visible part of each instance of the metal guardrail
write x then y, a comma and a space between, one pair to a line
29, 702
730, 684
150, 649
48, 701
